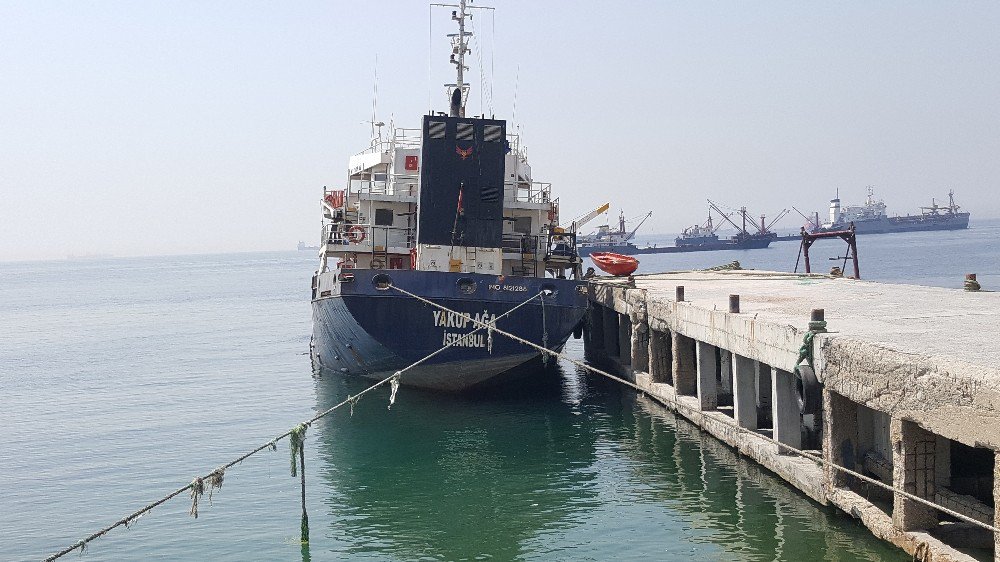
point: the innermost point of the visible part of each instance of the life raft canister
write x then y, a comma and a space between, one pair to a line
356, 234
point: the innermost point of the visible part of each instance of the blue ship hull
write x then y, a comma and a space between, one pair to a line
359, 329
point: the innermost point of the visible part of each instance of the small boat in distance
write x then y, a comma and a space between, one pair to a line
615, 264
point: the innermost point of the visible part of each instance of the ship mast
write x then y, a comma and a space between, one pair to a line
459, 91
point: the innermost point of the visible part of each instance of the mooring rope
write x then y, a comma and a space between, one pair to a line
729, 423
214, 478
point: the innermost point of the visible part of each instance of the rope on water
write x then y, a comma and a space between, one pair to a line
723, 420
215, 477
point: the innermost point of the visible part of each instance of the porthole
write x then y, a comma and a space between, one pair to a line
381, 281
466, 286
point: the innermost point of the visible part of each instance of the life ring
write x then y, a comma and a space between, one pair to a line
356, 234
808, 391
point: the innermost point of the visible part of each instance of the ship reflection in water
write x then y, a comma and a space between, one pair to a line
575, 469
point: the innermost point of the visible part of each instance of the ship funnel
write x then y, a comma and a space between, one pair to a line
456, 103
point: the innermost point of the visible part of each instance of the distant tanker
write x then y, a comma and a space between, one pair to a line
870, 218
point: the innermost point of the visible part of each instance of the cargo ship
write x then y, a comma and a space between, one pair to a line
697, 238
446, 215
871, 217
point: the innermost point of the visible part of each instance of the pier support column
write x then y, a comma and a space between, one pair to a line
624, 341
785, 410
610, 320
708, 395
913, 471
659, 356
640, 346
685, 368
744, 392
840, 437
726, 377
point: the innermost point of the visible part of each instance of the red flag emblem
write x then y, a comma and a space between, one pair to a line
463, 152
411, 162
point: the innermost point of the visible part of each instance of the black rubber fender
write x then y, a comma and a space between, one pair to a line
807, 389
578, 330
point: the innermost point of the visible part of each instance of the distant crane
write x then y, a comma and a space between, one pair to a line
764, 229
621, 220
813, 223
585, 218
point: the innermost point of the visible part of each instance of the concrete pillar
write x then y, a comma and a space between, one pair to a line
659, 356
840, 437
610, 332
624, 340
726, 376
685, 368
708, 395
913, 471
744, 393
762, 382
640, 346
785, 410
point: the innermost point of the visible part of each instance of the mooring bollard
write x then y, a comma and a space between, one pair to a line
734, 304
679, 293
817, 320
970, 282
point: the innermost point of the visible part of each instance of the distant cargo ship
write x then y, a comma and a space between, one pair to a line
697, 238
871, 217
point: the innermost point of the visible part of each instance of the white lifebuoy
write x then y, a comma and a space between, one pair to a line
356, 234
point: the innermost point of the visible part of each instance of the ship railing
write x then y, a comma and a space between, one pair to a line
528, 192
406, 137
516, 148
517, 243
387, 184
366, 237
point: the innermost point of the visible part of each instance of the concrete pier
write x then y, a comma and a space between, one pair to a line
909, 378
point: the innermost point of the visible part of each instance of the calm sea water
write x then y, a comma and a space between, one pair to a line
122, 379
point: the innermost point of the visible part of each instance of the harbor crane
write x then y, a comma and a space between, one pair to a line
585, 218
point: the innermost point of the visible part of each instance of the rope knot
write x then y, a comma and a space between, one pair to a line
296, 439
394, 387
197, 489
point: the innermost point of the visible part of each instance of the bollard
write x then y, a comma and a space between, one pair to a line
679, 293
734, 304
970, 282
817, 320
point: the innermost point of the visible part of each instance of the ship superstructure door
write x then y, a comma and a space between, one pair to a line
461, 194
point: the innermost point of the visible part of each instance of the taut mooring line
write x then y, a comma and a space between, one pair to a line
728, 423
214, 478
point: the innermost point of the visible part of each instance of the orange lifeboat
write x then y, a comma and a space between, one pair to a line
615, 264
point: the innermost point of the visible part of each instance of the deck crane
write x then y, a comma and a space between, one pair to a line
621, 218
585, 218
813, 223
743, 230
765, 228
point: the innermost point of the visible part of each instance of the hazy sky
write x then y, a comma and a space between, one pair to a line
137, 128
